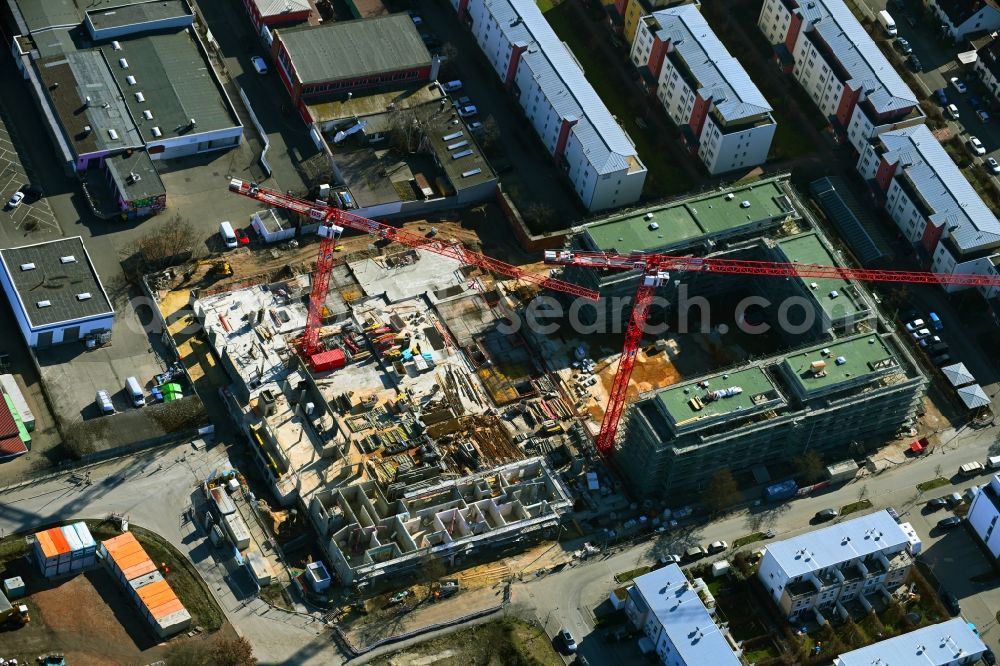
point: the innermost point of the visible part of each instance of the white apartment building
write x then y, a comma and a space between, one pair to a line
841, 68
947, 643
932, 203
984, 513
561, 105
818, 571
988, 67
703, 89
962, 18
678, 624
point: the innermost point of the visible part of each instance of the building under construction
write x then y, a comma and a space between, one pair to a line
808, 365
395, 444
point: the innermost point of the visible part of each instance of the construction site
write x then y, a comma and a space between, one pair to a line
416, 427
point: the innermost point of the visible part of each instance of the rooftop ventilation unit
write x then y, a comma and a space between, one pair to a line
192, 123
85, 296
471, 172
43, 304
113, 134
116, 46
123, 62
744, 204
139, 97
653, 226
156, 132
87, 100
68, 259
147, 114
130, 79
133, 177
86, 129
27, 267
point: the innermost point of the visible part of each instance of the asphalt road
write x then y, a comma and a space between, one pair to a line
566, 599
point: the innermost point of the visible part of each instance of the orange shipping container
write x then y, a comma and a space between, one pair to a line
48, 548
156, 593
166, 609
140, 569
58, 540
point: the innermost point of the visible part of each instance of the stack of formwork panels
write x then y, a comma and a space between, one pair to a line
127, 560
237, 530
9, 386
64, 550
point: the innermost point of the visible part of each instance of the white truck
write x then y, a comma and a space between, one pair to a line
885, 19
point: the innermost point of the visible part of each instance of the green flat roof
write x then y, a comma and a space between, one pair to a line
862, 354
682, 221
807, 249
753, 381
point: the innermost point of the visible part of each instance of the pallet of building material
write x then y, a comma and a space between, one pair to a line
358, 423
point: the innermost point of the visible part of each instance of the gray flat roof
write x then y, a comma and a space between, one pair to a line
176, 83
69, 79
53, 281
354, 48
41, 14
140, 12
121, 167
460, 156
934, 645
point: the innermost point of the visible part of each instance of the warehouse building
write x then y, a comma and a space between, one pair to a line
106, 81
704, 89
565, 111
932, 203
835, 60
72, 304
348, 56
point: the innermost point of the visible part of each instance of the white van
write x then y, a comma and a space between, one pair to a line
228, 235
134, 392
104, 404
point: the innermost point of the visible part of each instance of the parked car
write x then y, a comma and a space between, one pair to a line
951, 111
915, 325
914, 62
694, 553
949, 522
567, 640
938, 348
259, 65
452, 86
933, 340
665, 560
953, 499
921, 334
989, 658
957, 84
903, 46
976, 146
975, 102
717, 547
475, 126
984, 117
416, 19
15, 201
950, 602
992, 166
468, 110
941, 96
937, 503
825, 515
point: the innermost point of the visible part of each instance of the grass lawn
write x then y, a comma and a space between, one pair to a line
748, 539
664, 178
546, 5
505, 641
627, 576
932, 484
860, 505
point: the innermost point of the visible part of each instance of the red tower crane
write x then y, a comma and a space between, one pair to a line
655, 270
335, 221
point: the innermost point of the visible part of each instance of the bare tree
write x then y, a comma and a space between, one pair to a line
489, 134
404, 129
168, 243
810, 466
721, 491
538, 214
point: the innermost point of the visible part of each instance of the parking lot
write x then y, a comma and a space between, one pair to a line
31, 221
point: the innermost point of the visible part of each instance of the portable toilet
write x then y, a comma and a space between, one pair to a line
14, 587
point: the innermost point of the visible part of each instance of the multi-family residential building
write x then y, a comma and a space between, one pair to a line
984, 513
841, 68
932, 203
677, 618
566, 113
988, 67
630, 11
961, 18
820, 570
704, 89
945, 644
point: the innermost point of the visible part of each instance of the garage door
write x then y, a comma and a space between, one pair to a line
44, 339
71, 333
